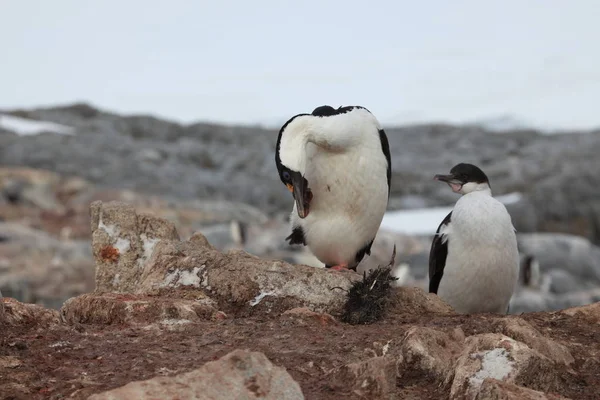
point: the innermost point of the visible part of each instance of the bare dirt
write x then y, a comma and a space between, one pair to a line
77, 361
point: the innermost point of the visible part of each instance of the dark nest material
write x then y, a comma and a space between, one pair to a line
367, 299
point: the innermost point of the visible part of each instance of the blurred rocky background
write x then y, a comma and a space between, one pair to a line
221, 180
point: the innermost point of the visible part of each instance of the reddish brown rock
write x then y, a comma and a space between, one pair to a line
13, 312
129, 309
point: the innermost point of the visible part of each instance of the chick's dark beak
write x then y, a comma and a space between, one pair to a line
302, 194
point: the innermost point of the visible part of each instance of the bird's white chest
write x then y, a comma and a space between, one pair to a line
482, 265
350, 195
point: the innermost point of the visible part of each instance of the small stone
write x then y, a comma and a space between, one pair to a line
374, 378
591, 312
304, 313
430, 352
519, 329
503, 358
9, 362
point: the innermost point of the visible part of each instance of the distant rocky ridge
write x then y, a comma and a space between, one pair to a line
557, 174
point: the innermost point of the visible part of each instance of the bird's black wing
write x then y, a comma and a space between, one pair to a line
437, 257
385, 146
297, 236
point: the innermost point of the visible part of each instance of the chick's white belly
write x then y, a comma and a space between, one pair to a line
482, 282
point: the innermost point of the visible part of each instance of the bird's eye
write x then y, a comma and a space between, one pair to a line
286, 176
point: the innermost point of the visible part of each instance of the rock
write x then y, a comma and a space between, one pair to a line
416, 301
303, 314
523, 215
493, 389
29, 186
109, 309
500, 357
122, 241
519, 329
13, 312
534, 300
574, 254
374, 378
9, 362
528, 300
590, 312
562, 281
429, 353
243, 281
37, 268
142, 255
238, 375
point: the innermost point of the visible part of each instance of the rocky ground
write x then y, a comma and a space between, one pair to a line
171, 317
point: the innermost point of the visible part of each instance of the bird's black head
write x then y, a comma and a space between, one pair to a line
465, 178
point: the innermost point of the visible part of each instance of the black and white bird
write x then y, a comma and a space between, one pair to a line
336, 163
474, 260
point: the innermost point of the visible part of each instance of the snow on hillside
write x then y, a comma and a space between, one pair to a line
24, 127
425, 221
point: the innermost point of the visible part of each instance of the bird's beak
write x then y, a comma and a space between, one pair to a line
302, 194
443, 178
455, 184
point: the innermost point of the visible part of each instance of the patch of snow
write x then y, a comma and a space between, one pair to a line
25, 127
495, 364
422, 221
111, 230
116, 280
148, 246
259, 298
183, 278
205, 278
122, 245
509, 198
188, 278
425, 221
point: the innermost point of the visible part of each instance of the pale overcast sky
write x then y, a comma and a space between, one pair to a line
263, 61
